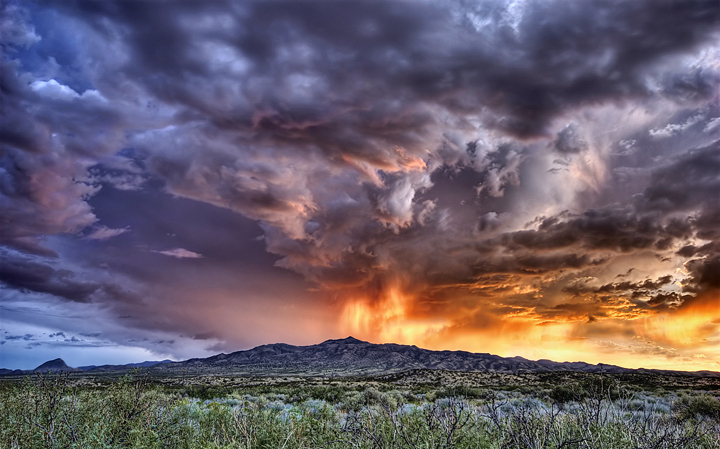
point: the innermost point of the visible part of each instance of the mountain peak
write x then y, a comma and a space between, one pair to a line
53, 365
348, 340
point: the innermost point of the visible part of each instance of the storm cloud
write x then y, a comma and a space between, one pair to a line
439, 168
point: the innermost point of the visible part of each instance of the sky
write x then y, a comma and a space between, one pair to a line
522, 178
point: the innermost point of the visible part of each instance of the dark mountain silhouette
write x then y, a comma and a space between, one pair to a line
146, 364
59, 365
52, 366
350, 356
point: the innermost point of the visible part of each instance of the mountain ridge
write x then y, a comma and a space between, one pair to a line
53, 366
59, 365
145, 364
351, 356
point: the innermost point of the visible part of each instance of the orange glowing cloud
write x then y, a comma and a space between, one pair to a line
693, 326
388, 318
687, 338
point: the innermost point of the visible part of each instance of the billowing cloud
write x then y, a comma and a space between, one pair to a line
25, 273
427, 173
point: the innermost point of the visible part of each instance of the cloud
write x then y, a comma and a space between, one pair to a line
675, 128
15, 29
39, 196
686, 182
180, 253
21, 272
104, 233
288, 109
395, 206
712, 125
25, 337
568, 141
118, 171
448, 152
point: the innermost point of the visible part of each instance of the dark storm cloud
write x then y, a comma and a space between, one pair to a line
525, 66
671, 211
630, 286
30, 274
39, 196
45, 116
706, 272
20, 337
611, 228
41, 188
689, 182
692, 86
665, 299
49, 136
369, 141
21, 272
568, 141
679, 204
334, 87
636, 295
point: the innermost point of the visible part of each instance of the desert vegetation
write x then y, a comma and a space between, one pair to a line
134, 411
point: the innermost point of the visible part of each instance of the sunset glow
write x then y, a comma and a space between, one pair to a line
389, 320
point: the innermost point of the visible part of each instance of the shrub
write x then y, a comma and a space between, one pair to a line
562, 394
703, 406
51, 412
462, 391
332, 394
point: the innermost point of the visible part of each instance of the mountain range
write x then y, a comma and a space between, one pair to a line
350, 356
59, 365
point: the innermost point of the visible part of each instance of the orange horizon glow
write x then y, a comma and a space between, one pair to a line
685, 339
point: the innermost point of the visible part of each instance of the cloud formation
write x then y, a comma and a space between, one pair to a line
451, 170
104, 233
180, 253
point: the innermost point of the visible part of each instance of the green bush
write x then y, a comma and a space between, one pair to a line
332, 394
53, 412
692, 407
563, 393
462, 391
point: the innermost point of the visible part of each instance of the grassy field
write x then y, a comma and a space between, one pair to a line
423, 409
